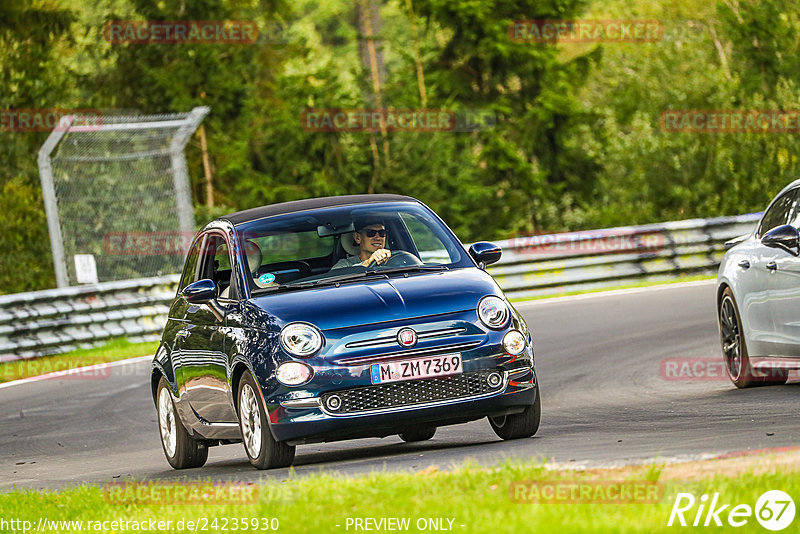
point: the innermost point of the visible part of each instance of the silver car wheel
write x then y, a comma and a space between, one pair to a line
166, 422
731, 337
251, 421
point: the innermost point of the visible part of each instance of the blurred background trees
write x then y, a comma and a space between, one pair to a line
575, 144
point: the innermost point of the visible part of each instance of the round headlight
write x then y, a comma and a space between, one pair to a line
514, 342
493, 312
301, 339
293, 373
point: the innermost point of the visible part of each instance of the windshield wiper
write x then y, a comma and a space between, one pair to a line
351, 277
331, 280
409, 268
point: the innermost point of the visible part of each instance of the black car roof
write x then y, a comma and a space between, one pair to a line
308, 204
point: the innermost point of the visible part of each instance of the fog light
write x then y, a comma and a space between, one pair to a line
293, 373
494, 379
514, 342
333, 403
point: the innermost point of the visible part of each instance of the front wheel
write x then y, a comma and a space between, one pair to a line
261, 448
521, 425
181, 450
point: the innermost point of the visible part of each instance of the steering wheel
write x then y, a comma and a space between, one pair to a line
398, 258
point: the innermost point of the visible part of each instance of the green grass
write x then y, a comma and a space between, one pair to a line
477, 498
692, 278
117, 349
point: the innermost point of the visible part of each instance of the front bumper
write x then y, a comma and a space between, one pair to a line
299, 421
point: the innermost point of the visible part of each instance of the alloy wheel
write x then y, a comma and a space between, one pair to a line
251, 421
731, 337
166, 422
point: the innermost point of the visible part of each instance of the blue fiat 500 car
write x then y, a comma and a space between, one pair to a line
337, 318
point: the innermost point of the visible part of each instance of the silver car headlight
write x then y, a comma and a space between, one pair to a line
514, 342
301, 339
493, 312
293, 373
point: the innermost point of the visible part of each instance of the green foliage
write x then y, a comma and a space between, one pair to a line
576, 143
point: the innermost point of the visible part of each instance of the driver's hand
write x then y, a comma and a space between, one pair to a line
379, 257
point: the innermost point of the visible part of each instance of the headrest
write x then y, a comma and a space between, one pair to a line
254, 256
349, 245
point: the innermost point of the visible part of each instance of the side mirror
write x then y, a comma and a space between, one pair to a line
786, 237
485, 253
200, 292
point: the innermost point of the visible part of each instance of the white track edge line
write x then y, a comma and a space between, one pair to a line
76, 370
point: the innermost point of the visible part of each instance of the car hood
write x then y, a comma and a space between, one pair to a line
381, 299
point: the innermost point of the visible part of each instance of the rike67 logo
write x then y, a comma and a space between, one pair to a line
774, 510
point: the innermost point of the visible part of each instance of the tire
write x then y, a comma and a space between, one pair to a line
734, 348
521, 425
418, 434
180, 449
261, 448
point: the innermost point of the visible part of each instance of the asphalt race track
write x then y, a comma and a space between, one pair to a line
605, 399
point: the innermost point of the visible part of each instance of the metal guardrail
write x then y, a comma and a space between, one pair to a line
58, 320
558, 263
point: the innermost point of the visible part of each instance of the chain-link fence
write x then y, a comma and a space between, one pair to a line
117, 196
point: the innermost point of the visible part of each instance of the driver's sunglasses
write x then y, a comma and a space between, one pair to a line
372, 233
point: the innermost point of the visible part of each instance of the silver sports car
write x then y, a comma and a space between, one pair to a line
758, 297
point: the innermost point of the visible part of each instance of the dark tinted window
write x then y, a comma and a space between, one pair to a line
190, 269
778, 213
215, 262
794, 215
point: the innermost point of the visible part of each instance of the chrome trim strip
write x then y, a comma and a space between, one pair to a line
433, 351
311, 402
393, 339
520, 370
441, 333
420, 406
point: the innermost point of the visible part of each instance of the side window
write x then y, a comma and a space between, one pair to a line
215, 263
778, 213
794, 215
430, 247
190, 269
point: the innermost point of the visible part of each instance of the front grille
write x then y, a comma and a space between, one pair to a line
411, 393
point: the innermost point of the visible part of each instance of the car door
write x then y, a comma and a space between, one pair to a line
784, 292
765, 339
204, 363
176, 327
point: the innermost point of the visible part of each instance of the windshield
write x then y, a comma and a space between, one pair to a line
342, 243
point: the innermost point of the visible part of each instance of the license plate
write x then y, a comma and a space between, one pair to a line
432, 366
